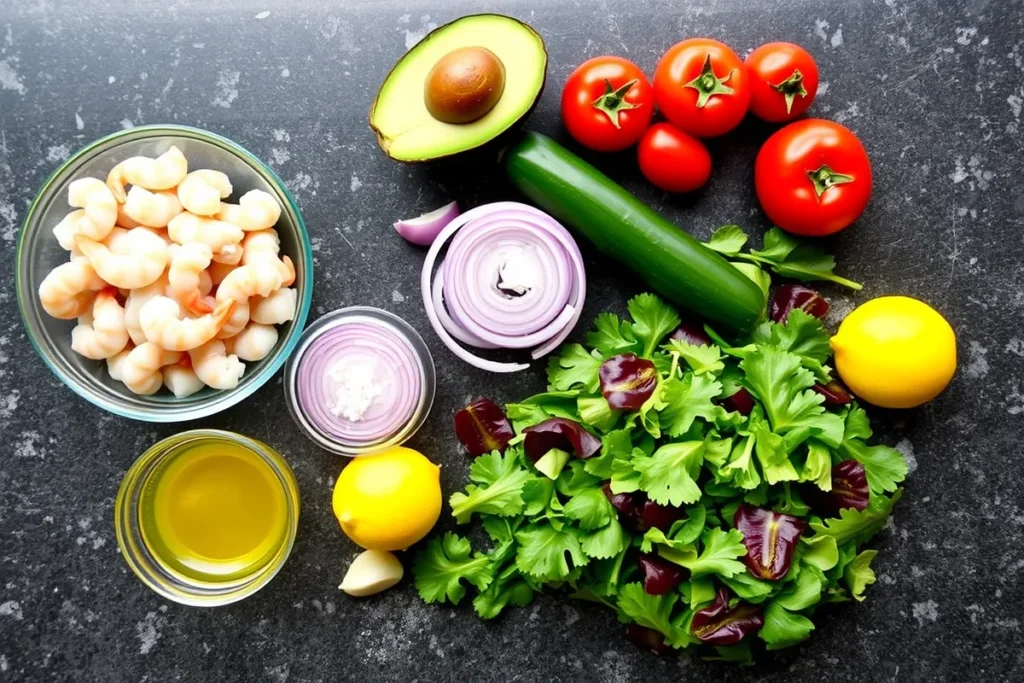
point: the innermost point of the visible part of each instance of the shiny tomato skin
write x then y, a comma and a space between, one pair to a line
786, 192
771, 65
592, 127
682, 64
673, 160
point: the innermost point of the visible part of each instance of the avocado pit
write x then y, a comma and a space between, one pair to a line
464, 85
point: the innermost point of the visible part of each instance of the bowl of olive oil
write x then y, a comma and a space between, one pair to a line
207, 517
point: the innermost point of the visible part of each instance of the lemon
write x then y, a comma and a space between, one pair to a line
390, 500
895, 352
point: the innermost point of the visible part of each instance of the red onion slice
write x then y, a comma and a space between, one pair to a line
423, 230
512, 278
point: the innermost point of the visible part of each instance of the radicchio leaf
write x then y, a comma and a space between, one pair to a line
718, 625
650, 514
691, 334
741, 402
562, 434
835, 393
849, 490
482, 427
647, 639
627, 381
770, 539
660, 576
788, 297
623, 502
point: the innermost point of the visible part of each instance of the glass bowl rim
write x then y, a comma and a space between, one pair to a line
125, 535
222, 400
428, 390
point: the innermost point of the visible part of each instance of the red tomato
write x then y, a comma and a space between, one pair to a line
783, 81
702, 87
672, 159
813, 177
607, 103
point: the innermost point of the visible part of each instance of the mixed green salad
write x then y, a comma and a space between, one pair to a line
713, 493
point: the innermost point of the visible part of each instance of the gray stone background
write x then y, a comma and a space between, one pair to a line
934, 88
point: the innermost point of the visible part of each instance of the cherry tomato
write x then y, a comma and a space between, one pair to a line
813, 177
702, 87
783, 81
673, 160
607, 103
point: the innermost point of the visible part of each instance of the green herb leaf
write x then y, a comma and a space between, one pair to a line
802, 593
789, 257
802, 335
653, 319
669, 476
604, 543
783, 628
443, 564
686, 400
749, 588
574, 366
612, 336
886, 467
728, 240
511, 590
653, 611
595, 411
819, 550
701, 359
858, 575
542, 551
818, 466
590, 509
858, 526
718, 556
501, 482
857, 425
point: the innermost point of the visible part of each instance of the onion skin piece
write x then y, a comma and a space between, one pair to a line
423, 230
482, 427
627, 381
716, 624
559, 433
770, 538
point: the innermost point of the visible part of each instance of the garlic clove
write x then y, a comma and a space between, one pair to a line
371, 572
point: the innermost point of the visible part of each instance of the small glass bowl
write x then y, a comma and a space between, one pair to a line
38, 253
406, 342
158, 573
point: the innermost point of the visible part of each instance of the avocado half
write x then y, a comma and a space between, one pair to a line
406, 131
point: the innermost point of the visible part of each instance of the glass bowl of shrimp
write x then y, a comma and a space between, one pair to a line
164, 273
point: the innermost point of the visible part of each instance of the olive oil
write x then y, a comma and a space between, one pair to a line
213, 511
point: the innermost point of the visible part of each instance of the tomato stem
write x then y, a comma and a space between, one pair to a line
791, 87
613, 101
824, 177
708, 84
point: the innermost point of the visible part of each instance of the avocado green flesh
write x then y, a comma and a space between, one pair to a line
406, 130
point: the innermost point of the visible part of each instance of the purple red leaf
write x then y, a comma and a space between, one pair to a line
660, 576
788, 297
482, 427
770, 539
627, 381
562, 434
718, 625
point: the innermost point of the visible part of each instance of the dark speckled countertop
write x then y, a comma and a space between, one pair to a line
934, 88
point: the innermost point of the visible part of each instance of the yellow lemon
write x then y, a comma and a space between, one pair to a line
390, 500
895, 352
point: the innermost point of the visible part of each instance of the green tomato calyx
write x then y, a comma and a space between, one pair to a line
791, 87
708, 84
613, 101
824, 177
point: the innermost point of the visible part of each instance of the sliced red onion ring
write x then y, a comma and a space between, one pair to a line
423, 230
512, 278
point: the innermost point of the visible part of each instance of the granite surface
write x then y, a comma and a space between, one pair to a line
934, 88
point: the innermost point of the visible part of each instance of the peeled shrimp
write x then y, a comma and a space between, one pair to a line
181, 379
214, 367
241, 284
118, 241
229, 254
162, 323
205, 283
201, 191
263, 246
115, 363
137, 298
140, 370
219, 271
153, 209
67, 229
188, 227
99, 208
69, 289
253, 343
142, 263
105, 334
275, 309
124, 220
188, 262
162, 173
256, 210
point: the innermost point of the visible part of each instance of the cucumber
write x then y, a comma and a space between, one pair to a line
672, 262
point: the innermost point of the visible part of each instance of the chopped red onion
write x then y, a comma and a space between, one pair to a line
512, 278
423, 230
